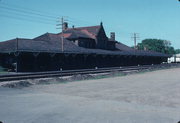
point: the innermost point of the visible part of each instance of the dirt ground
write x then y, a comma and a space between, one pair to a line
151, 97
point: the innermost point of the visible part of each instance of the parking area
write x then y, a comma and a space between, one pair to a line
151, 97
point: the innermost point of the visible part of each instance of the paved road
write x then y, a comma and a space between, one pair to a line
152, 97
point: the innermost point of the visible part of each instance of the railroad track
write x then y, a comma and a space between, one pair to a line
23, 76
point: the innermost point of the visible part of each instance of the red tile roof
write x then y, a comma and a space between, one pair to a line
82, 32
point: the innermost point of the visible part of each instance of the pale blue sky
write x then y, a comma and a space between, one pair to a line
150, 18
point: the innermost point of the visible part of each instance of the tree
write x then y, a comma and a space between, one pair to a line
177, 51
157, 45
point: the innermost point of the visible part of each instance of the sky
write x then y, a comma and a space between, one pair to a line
158, 19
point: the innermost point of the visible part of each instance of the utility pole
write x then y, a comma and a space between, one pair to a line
62, 27
17, 54
62, 23
17, 42
135, 37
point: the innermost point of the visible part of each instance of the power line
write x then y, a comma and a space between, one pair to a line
52, 15
26, 12
37, 16
25, 19
42, 14
28, 16
23, 15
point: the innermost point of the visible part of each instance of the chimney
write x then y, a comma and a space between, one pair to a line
65, 25
112, 36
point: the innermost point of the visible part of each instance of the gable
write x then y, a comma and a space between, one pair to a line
101, 32
101, 39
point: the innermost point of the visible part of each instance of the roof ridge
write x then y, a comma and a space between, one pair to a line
85, 27
22, 39
47, 35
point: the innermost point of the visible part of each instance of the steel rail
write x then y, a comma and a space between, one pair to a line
35, 75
